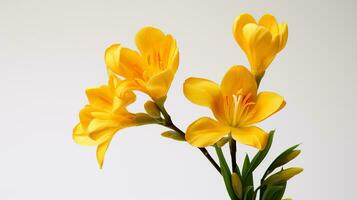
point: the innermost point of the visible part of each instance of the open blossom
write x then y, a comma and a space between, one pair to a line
236, 106
261, 41
105, 114
152, 69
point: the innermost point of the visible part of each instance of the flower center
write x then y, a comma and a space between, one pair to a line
236, 108
155, 64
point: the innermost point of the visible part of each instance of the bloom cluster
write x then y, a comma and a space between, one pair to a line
236, 103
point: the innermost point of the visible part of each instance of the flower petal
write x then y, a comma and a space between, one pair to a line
100, 124
81, 137
201, 91
252, 136
283, 29
101, 150
159, 84
267, 103
85, 115
269, 22
238, 25
262, 47
103, 135
147, 38
124, 62
112, 57
205, 131
172, 53
238, 79
100, 98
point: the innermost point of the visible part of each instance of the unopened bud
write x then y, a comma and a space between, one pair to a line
152, 109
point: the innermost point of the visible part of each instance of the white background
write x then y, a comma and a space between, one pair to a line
50, 51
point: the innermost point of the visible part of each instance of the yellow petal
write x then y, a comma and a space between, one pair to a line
205, 131
238, 25
85, 115
124, 62
201, 91
252, 136
173, 53
238, 79
159, 84
103, 135
269, 22
100, 124
100, 98
112, 57
147, 38
267, 103
101, 150
283, 29
262, 47
81, 137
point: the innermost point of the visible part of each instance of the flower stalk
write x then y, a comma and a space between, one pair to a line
167, 122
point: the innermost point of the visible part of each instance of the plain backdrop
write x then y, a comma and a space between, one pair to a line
50, 51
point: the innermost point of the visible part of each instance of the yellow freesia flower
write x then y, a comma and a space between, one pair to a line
260, 41
236, 106
152, 69
105, 114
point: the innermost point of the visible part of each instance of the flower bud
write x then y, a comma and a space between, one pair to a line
152, 109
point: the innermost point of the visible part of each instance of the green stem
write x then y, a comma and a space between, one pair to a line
169, 124
233, 150
255, 192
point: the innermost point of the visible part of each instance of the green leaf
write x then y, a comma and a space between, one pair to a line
273, 192
279, 195
259, 157
248, 181
248, 194
282, 159
226, 173
237, 185
173, 135
282, 176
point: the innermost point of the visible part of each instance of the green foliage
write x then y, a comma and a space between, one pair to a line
225, 171
274, 192
259, 157
282, 159
249, 192
240, 185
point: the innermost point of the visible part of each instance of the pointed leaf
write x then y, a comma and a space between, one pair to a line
226, 173
248, 194
248, 181
259, 157
272, 192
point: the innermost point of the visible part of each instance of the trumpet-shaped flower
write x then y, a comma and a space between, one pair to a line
105, 114
152, 69
260, 41
235, 104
